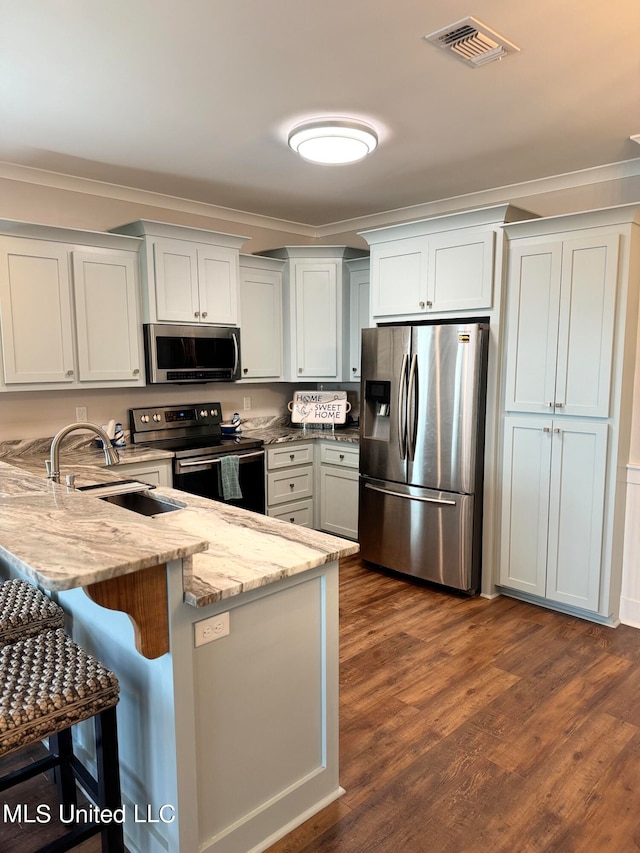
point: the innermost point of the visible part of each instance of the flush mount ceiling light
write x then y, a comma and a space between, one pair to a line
333, 140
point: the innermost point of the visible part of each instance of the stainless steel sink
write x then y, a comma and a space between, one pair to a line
141, 502
132, 495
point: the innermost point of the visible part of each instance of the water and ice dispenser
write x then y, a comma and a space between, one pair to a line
377, 409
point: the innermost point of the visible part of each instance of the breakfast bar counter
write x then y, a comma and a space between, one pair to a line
228, 736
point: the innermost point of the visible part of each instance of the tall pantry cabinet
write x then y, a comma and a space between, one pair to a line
570, 354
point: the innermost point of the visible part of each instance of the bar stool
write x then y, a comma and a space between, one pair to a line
48, 684
25, 611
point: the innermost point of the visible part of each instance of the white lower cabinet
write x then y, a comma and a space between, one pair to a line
338, 488
314, 484
553, 505
157, 473
290, 482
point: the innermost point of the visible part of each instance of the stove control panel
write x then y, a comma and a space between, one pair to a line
174, 417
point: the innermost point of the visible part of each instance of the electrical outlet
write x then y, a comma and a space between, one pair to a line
208, 630
246, 403
81, 413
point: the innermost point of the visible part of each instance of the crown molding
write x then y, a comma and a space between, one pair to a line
510, 193
89, 186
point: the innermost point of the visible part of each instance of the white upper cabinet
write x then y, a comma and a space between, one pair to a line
261, 318
561, 314
359, 310
434, 266
315, 311
69, 312
190, 275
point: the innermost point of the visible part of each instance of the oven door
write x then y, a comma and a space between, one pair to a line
202, 476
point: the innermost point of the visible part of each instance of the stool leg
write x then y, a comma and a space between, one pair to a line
61, 744
109, 777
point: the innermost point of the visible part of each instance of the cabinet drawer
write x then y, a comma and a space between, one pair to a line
300, 512
285, 486
289, 455
338, 454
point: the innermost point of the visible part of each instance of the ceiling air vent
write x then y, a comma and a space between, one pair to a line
472, 41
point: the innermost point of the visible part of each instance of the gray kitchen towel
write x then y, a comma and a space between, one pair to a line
228, 479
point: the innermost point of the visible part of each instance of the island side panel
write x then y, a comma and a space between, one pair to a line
266, 699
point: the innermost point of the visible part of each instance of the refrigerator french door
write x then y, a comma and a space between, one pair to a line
423, 393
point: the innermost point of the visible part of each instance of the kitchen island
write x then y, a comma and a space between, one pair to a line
227, 741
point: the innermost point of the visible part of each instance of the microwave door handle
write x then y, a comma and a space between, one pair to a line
236, 349
402, 409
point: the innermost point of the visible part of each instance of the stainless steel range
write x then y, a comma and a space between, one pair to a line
194, 435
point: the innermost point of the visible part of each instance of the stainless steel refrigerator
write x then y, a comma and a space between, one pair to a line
422, 414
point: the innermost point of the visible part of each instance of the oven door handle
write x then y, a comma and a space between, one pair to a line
216, 459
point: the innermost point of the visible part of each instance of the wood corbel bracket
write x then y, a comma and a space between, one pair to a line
143, 597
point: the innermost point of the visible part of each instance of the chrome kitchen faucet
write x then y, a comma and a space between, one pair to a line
53, 463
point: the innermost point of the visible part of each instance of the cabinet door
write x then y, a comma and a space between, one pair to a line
460, 271
316, 331
35, 311
218, 285
532, 326
358, 318
339, 501
585, 329
526, 468
176, 278
399, 277
108, 326
261, 323
576, 513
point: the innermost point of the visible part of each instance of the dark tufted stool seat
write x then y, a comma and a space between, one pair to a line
48, 684
25, 611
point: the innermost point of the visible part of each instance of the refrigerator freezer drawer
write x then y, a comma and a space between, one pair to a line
421, 532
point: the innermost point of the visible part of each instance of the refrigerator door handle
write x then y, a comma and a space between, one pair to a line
402, 409
412, 406
409, 497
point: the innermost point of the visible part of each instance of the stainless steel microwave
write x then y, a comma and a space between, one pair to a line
183, 354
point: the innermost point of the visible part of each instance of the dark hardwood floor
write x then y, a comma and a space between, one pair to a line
466, 726
474, 726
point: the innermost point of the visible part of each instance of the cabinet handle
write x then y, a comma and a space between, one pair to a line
341, 456
292, 456
546, 429
291, 485
421, 304
245, 370
429, 304
204, 313
559, 405
550, 405
196, 313
69, 372
557, 430
292, 519
136, 371
299, 370
354, 369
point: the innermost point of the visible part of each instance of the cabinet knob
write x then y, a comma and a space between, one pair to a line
292, 456
559, 405
299, 370
136, 371
204, 313
429, 304
245, 370
341, 456
292, 520
196, 313
69, 372
550, 405
291, 485
421, 304
546, 429
354, 369
557, 430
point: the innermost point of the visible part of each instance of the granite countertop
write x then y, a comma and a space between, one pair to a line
63, 538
